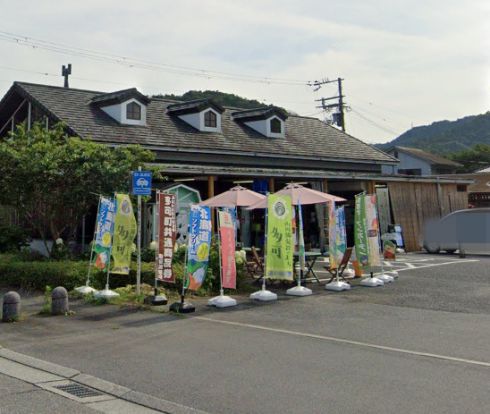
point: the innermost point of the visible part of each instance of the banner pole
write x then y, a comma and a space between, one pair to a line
138, 269
221, 290
87, 283
265, 246
157, 214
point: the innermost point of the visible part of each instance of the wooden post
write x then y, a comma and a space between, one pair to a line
271, 185
371, 187
325, 185
29, 115
211, 194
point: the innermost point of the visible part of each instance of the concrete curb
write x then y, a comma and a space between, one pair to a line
59, 372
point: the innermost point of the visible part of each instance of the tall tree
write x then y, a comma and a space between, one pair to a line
473, 159
52, 179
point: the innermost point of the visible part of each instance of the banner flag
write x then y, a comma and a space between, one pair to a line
103, 234
360, 230
124, 234
337, 235
372, 230
198, 246
279, 249
234, 219
301, 239
165, 238
227, 241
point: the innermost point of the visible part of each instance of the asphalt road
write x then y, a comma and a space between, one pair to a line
419, 345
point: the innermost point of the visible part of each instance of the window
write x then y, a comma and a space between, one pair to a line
133, 111
210, 119
276, 127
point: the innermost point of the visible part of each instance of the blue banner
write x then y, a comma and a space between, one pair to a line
104, 232
198, 246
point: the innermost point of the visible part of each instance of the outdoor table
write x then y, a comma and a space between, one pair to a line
310, 260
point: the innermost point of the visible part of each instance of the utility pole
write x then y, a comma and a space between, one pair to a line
66, 72
338, 117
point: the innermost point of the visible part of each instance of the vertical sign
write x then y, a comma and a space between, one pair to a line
337, 235
372, 230
227, 241
383, 202
124, 234
166, 233
198, 246
103, 233
360, 230
301, 239
279, 249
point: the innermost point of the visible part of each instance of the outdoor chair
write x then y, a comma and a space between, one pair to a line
255, 267
342, 266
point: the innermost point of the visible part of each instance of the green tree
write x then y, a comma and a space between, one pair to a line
473, 159
52, 179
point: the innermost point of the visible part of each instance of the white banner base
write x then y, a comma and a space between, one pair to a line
386, 278
222, 301
337, 286
263, 295
349, 272
106, 294
392, 273
85, 290
371, 282
299, 291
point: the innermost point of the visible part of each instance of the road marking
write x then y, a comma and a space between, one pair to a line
347, 341
438, 264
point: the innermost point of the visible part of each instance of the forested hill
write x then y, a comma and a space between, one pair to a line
221, 98
445, 137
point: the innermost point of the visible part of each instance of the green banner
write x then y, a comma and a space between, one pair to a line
124, 234
360, 230
279, 249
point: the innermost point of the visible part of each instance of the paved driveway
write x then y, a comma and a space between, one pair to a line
419, 345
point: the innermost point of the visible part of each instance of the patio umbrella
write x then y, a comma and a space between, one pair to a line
235, 197
298, 194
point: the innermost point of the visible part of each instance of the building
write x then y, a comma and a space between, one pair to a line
212, 148
414, 161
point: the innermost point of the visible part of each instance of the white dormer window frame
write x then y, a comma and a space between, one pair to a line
119, 112
263, 126
198, 120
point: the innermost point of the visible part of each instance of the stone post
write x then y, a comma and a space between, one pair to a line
59, 301
11, 307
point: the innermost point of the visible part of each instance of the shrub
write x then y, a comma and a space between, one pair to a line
12, 238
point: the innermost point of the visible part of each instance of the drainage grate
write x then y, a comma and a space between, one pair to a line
78, 390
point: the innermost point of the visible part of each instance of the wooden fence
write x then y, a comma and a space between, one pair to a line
415, 203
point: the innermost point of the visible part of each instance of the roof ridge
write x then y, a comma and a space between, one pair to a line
58, 87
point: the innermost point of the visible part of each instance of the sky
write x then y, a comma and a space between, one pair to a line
404, 63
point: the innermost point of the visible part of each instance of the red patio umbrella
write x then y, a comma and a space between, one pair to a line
300, 194
235, 197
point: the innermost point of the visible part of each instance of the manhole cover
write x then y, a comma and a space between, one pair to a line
78, 390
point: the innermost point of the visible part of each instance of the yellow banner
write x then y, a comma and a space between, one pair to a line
124, 234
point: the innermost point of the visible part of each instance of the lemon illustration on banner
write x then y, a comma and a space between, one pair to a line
203, 251
106, 239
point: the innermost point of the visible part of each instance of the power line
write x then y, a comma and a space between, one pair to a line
139, 63
389, 123
374, 123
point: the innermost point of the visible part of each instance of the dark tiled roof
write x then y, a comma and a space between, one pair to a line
305, 137
427, 156
120, 96
197, 105
259, 113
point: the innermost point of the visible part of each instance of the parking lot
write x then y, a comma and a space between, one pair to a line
419, 345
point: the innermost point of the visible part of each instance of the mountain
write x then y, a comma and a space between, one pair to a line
221, 98
444, 137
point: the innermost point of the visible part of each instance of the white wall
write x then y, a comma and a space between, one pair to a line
264, 127
118, 112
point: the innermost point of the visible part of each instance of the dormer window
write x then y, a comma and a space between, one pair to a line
128, 107
276, 126
202, 114
210, 119
133, 111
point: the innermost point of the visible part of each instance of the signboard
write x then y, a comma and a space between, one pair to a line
198, 246
227, 242
279, 249
104, 232
337, 236
372, 230
166, 233
124, 234
360, 230
383, 202
141, 183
